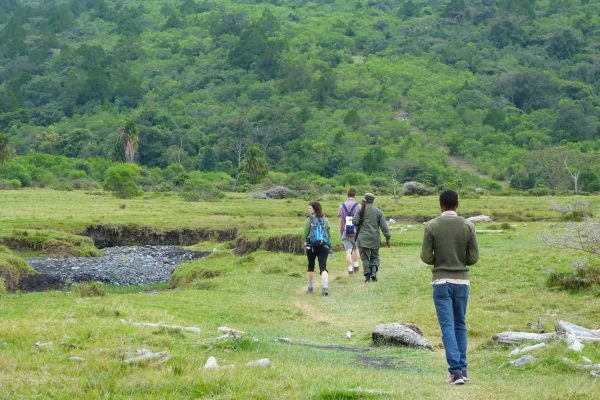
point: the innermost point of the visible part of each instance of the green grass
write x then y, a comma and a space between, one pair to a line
12, 268
262, 293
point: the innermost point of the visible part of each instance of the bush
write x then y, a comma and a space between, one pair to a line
582, 277
2, 287
197, 188
90, 289
121, 180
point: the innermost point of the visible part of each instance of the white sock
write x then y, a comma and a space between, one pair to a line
350, 268
356, 264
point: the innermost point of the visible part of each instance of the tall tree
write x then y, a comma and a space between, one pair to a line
254, 166
6, 150
130, 140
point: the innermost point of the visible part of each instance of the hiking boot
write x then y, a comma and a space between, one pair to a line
367, 278
456, 379
309, 290
465, 376
325, 291
374, 277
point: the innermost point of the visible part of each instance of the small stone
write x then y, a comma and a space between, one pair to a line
349, 335
77, 359
211, 363
286, 340
527, 359
263, 363
41, 345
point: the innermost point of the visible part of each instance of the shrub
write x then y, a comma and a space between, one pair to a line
90, 289
2, 287
197, 188
121, 180
582, 277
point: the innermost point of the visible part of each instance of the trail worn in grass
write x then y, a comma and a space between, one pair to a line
262, 293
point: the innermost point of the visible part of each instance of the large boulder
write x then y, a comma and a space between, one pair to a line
398, 334
278, 192
413, 187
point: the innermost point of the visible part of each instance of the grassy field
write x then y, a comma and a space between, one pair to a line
263, 294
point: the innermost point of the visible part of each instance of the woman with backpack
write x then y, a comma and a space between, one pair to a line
317, 232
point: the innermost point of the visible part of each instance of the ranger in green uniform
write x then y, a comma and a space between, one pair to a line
370, 220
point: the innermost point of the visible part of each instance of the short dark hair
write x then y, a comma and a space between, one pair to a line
449, 199
352, 192
317, 207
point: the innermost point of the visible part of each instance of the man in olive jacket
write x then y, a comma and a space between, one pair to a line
368, 239
450, 245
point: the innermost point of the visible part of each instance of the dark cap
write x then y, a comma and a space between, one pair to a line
369, 197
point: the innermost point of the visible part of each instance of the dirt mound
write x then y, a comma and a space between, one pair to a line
284, 244
136, 235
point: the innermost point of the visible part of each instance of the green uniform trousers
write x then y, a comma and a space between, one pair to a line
370, 260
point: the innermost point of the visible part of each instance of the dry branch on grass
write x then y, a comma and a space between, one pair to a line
583, 236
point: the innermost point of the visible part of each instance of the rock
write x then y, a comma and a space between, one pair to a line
479, 191
211, 363
119, 265
412, 188
526, 359
586, 360
258, 196
400, 334
263, 363
286, 340
349, 335
278, 192
41, 345
595, 374
231, 332
77, 359
480, 218
392, 221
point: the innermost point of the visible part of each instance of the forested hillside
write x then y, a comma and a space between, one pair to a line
460, 92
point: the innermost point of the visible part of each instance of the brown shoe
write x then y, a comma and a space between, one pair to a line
455, 379
356, 269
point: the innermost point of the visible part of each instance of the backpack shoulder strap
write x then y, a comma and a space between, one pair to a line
353, 208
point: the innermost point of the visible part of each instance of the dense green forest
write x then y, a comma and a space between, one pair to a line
495, 94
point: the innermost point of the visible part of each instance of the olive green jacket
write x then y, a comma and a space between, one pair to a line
369, 226
450, 245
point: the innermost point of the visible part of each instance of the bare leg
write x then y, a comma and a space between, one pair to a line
349, 258
356, 259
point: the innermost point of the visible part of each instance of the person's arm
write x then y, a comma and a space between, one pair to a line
383, 225
427, 254
328, 227
472, 247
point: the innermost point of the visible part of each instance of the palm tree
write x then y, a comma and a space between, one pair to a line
254, 164
6, 150
130, 140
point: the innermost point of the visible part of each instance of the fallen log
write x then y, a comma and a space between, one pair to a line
581, 333
147, 356
518, 337
527, 349
192, 329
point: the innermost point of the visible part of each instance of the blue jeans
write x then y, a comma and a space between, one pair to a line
451, 308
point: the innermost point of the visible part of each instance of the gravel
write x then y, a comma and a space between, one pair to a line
119, 265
